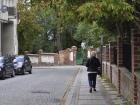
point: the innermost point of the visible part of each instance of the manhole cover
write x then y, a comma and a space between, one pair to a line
42, 92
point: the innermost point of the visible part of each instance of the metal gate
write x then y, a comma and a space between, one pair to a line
79, 57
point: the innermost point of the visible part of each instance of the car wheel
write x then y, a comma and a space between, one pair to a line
23, 71
30, 72
3, 75
13, 73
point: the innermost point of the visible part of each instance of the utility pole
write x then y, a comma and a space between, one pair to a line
101, 48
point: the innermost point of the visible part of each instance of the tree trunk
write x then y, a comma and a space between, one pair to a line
58, 41
119, 29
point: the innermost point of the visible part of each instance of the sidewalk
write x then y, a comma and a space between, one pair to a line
79, 92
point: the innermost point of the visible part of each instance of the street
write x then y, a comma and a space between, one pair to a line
46, 86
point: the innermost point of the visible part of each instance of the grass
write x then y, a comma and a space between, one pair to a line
107, 80
127, 103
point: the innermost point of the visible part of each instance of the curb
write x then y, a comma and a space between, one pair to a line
73, 94
66, 96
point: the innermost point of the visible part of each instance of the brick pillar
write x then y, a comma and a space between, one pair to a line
56, 59
111, 46
107, 53
107, 56
135, 45
119, 51
110, 57
68, 56
39, 56
74, 49
103, 59
119, 59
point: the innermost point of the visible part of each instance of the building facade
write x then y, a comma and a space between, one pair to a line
8, 27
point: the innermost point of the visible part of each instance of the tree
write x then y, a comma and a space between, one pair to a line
107, 13
59, 24
90, 34
107, 17
28, 28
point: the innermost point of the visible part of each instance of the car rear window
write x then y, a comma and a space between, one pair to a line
1, 60
20, 59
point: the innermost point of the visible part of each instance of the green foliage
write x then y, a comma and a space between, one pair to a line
109, 15
119, 10
90, 33
89, 11
59, 24
28, 28
105, 12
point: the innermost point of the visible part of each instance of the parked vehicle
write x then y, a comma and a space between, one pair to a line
6, 67
22, 64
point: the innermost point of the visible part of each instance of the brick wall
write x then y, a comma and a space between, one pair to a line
119, 51
64, 57
112, 47
125, 80
126, 83
44, 59
138, 91
111, 58
68, 56
115, 75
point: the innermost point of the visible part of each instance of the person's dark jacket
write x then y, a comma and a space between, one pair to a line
93, 64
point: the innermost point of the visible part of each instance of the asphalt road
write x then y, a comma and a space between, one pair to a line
46, 86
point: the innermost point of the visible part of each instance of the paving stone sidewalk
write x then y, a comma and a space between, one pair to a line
79, 93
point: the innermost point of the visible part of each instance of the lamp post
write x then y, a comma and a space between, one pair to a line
101, 48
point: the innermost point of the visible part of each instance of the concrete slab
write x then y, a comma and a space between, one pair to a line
91, 97
92, 102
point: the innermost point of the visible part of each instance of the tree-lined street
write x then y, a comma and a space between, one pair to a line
67, 32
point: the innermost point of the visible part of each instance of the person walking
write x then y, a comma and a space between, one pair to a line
92, 65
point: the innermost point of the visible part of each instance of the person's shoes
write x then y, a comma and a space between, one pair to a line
94, 89
90, 90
